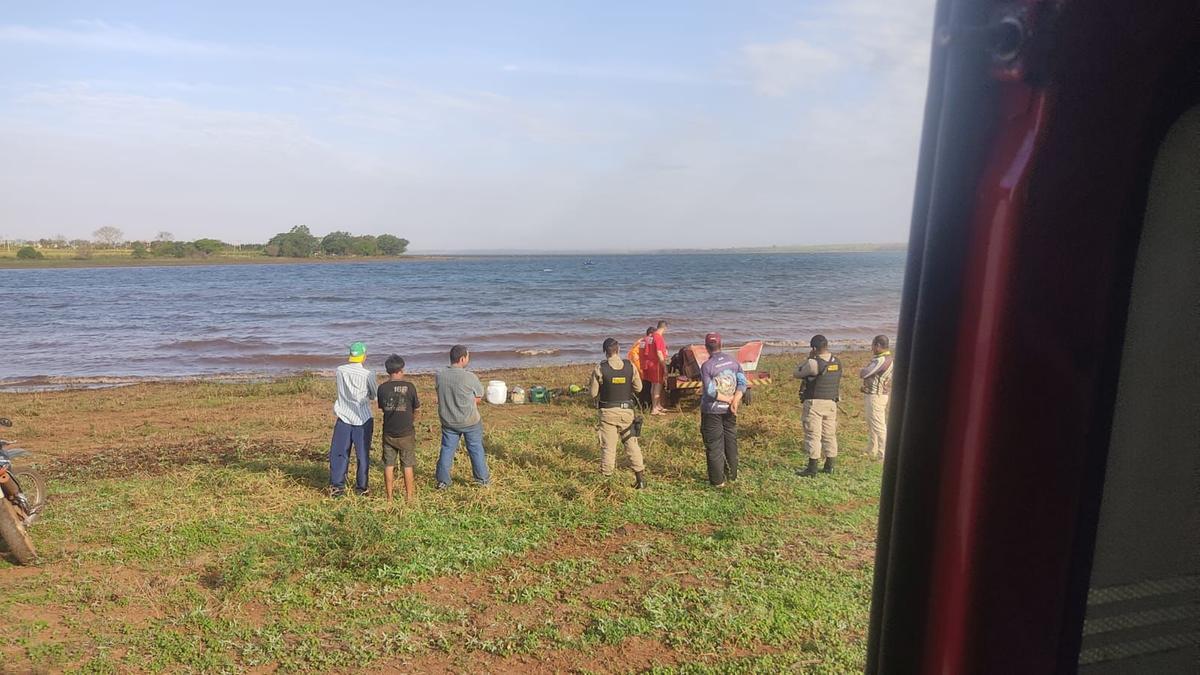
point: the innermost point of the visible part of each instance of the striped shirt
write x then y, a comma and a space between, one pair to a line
356, 389
877, 375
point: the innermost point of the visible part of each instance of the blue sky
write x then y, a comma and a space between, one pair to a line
465, 125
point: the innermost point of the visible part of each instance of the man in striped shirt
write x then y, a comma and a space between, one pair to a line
356, 388
877, 388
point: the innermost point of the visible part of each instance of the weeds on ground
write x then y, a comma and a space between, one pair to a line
219, 552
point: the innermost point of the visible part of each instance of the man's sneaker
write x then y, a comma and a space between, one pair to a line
362, 493
336, 493
442, 486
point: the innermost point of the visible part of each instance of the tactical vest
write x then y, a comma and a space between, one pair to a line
824, 385
881, 382
616, 386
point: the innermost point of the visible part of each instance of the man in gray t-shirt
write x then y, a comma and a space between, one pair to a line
459, 392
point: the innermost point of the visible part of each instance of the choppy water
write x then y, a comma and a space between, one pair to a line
511, 311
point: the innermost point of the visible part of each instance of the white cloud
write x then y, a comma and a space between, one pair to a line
86, 109
645, 74
405, 110
101, 35
782, 67
846, 39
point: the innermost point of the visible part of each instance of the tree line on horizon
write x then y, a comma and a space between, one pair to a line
298, 242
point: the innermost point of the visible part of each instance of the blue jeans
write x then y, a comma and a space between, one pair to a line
345, 435
474, 435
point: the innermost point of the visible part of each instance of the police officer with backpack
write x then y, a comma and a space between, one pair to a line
613, 384
822, 375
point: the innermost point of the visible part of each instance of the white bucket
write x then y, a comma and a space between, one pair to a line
497, 392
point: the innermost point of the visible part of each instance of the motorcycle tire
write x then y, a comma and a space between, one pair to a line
33, 486
12, 530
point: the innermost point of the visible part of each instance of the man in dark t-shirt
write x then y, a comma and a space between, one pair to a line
399, 403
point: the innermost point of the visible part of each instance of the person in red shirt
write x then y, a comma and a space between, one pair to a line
635, 357
654, 365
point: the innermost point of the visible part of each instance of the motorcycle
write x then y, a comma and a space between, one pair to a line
24, 496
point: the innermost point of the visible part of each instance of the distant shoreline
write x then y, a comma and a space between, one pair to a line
127, 261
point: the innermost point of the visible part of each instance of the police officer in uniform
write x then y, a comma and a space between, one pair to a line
613, 384
822, 375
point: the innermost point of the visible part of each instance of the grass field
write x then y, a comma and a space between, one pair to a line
188, 530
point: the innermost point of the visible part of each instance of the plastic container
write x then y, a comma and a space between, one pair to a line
497, 392
539, 395
517, 396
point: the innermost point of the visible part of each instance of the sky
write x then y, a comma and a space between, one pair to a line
465, 125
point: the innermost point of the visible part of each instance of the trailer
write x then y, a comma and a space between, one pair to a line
683, 372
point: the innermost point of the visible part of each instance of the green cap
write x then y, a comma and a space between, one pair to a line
358, 349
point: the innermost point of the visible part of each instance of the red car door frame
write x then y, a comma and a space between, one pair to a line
1041, 127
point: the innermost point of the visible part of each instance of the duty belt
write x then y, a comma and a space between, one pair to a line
606, 405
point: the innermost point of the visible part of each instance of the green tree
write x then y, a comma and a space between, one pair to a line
390, 244
175, 249
29, 253
139, 250
337, 243
364, 245
209, 246
297, 243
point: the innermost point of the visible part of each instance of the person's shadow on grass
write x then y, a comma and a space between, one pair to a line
307, 473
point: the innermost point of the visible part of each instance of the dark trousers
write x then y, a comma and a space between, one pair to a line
345, 435
720, 444
645, 396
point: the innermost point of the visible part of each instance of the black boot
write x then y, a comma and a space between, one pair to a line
828, 465
639, 480
810, 471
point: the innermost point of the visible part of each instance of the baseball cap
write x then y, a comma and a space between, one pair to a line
712, 340
358, 351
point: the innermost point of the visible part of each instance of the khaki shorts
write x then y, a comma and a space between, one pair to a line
405, 446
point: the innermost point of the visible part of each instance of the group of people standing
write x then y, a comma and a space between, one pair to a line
614, 384
459, 392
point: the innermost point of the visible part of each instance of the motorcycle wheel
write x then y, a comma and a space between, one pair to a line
33, 486
12, 529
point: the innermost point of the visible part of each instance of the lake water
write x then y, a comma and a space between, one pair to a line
510, 311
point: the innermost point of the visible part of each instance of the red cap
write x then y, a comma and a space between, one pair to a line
712, 340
